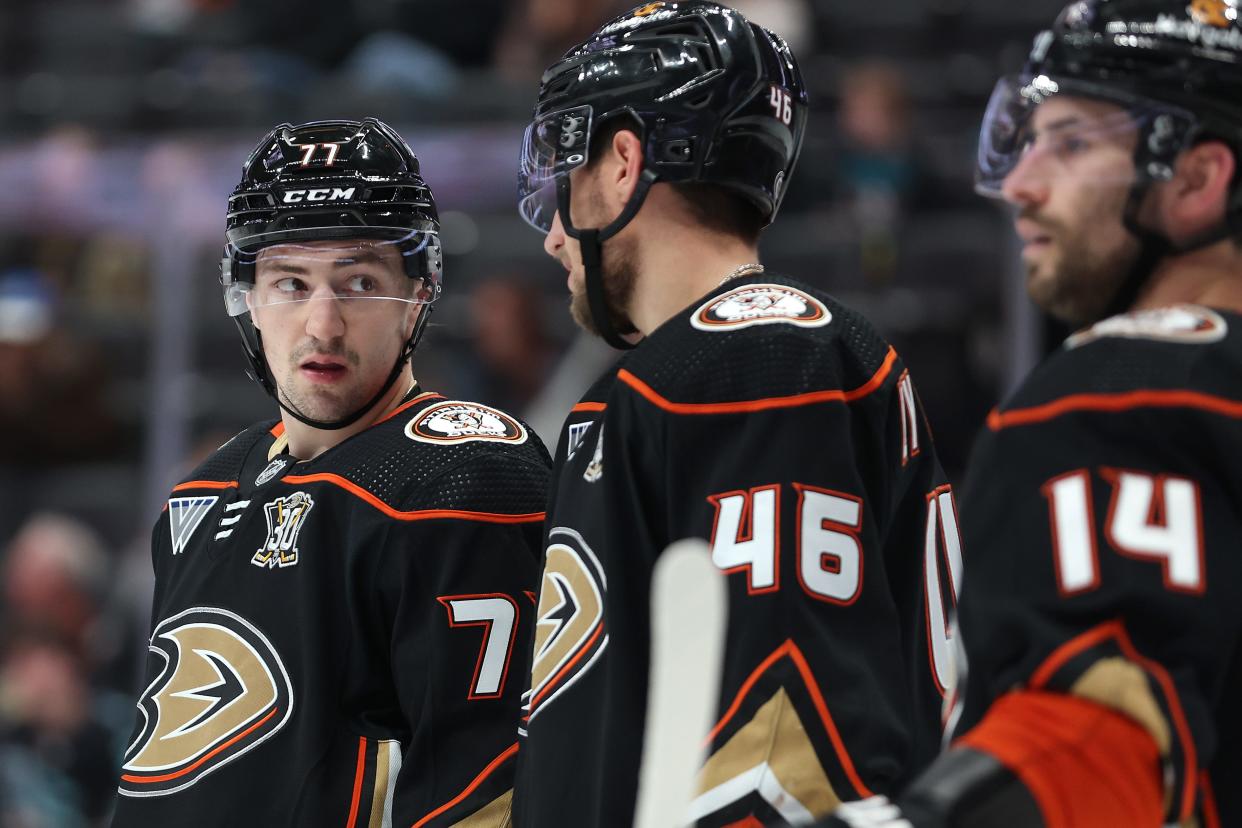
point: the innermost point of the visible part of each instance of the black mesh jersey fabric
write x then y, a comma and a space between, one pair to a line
475, 475
685, 364
1111, 364
225, 463
488, 481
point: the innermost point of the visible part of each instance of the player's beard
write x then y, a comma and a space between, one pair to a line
619, 273
1082, 282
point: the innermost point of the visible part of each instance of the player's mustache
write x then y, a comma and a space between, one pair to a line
1049, 226
332, 348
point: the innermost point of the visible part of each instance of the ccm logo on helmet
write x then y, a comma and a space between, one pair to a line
323, 194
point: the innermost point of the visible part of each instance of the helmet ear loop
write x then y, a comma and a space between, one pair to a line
416, 335
252, 344
591, 244
264, 374
1149, 166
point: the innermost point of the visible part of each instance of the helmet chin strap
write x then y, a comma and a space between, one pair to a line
407, 351
1154, 247
592, 244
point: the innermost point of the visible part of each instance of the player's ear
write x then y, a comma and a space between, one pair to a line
1199, 191
627, 149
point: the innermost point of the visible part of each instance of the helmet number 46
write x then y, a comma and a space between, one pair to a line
782, 104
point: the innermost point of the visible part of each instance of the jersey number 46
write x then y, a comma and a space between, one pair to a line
829, 549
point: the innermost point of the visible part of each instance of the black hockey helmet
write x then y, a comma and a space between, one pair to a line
321, 181
714, 98
1173, 66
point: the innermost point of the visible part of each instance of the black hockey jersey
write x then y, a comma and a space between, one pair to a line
776, 423
1103, 516
333, 641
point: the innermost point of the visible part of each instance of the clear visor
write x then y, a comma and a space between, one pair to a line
364, 276
554, 145
1072, 121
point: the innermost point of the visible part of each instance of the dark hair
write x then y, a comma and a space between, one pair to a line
716, 208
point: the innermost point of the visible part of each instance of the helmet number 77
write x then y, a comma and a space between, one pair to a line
308, 153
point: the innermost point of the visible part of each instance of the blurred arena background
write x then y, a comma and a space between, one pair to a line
123, 125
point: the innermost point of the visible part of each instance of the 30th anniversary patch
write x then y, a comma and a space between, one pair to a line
461, 422
762, 304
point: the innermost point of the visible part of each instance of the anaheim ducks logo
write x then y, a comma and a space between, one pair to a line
461, 422
222, 691
1217, 13
569, 632
1188, 324
635, 18
760, 305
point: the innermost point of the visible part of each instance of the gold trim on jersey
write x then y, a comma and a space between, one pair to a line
496, 814
1122, 685
387, 766
773, 744
278, 445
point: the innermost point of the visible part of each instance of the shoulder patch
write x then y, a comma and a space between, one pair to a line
452, 422
1181, 323
762, 304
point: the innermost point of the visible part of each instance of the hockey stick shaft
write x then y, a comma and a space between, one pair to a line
689, 611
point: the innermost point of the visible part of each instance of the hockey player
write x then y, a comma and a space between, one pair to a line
1103, 601
339, 592
755, 411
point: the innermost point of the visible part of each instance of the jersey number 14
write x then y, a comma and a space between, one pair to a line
1154, 518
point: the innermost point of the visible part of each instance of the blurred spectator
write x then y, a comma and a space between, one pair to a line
61, 729
65, 170
51, 385
465, 31
54, 579
394, 63
515, 354
877, 166
57, 762
540, 31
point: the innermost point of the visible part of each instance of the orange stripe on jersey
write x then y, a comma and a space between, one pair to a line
748, 822
426, 395
205, 484
1085, 764
588, 406
478, 780
1117, 631
358, 774
278, 429
420, 514
746, 406
1211, 816
790, 649
1124, 401
146, 780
